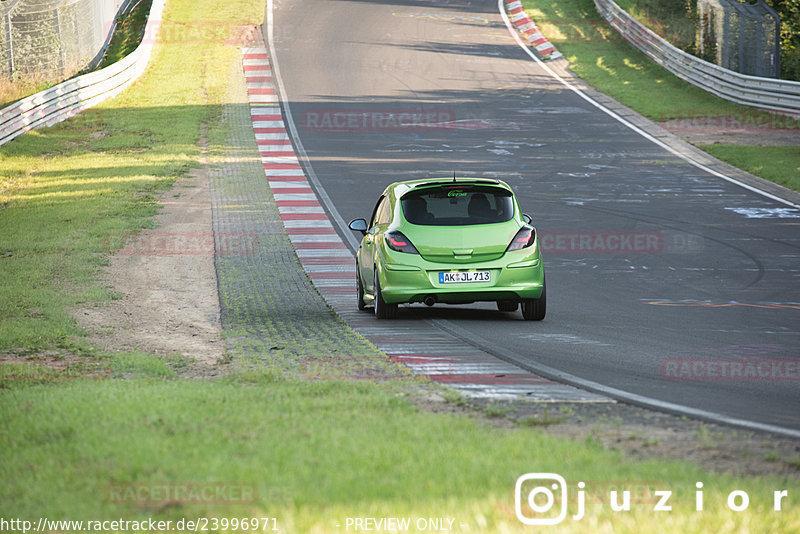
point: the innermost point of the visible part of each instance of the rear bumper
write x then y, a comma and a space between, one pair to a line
409, 278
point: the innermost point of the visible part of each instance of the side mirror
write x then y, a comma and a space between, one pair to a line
359, 225
527, 218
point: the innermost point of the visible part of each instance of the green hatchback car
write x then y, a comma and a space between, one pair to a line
452, 241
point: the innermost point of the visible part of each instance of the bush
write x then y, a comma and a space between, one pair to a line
789, 11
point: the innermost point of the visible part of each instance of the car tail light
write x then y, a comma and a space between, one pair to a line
524, 238
397, 241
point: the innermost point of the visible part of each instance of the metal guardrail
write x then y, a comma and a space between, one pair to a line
766, 93
73, 96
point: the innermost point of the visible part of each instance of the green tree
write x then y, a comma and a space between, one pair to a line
789, 11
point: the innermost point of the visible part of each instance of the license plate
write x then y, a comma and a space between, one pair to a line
465, 277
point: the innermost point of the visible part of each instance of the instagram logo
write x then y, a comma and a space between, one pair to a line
541, 498
542, 491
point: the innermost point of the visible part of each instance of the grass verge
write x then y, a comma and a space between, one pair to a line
599, 55
780, 164
69, 192
123, 437
312, 454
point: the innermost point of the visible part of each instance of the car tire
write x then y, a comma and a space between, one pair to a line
507, 305
383, 310
361, 305
535, 309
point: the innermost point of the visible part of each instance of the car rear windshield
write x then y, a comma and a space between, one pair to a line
458, 205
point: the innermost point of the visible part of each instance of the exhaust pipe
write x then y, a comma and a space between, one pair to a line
430, 300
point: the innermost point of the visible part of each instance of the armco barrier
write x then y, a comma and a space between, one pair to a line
766, 93
73, 96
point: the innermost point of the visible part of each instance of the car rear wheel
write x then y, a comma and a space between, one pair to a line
507, 305
383, 310
535, 309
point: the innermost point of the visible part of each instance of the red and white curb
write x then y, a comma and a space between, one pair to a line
534, 37
331, 267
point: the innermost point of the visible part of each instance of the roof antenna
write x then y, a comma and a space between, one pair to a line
454, 176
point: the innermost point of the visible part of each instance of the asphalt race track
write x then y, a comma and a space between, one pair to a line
663, 280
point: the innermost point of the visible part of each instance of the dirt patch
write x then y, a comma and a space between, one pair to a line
168, 284
735, 131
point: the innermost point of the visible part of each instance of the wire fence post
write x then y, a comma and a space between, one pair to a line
10, 46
